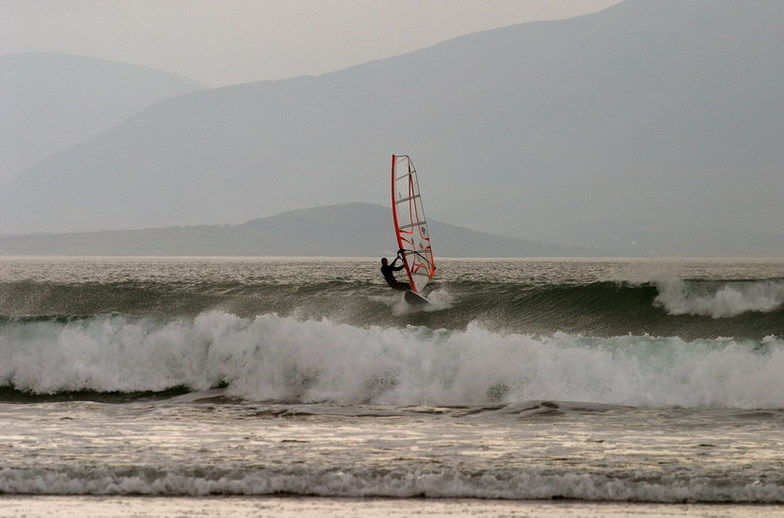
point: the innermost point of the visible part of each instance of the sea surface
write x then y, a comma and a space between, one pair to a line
305, 386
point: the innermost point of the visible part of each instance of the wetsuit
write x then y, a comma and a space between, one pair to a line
389, 276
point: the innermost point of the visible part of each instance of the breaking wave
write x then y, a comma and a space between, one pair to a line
517, 484
689, 309
275, 358
719, 300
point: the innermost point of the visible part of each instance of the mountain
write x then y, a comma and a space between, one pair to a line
355, 229
652, 127
53, 101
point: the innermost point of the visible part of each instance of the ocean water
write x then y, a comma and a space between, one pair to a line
656, 386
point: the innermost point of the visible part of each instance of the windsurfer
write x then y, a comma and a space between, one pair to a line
387, 270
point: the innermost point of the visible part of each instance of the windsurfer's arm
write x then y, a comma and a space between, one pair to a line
397, 268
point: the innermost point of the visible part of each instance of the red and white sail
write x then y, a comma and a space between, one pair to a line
410, 223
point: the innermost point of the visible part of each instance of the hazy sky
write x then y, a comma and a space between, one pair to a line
222, 42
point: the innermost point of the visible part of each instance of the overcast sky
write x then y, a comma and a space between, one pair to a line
222, 42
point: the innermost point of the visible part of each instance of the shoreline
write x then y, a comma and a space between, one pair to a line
34, 506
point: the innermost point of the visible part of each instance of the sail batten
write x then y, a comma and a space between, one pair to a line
403, 200
411, 225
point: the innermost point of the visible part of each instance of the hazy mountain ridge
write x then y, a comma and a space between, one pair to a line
652, 126
53, 101
356, 229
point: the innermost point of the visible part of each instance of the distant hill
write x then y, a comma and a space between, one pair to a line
355, 229
652, 127
52, 101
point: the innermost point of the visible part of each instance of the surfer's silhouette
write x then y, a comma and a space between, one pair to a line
387, 270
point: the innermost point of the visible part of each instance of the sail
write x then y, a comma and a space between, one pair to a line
410, 224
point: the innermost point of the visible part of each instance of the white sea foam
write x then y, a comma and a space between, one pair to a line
275, 358
519, 484
679, 297
440, 300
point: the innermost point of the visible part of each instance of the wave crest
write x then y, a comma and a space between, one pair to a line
679, 297
272, 358
517, 484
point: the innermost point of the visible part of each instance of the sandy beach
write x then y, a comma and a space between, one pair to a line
291, 507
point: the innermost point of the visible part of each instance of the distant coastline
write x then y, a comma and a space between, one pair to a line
354, 229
